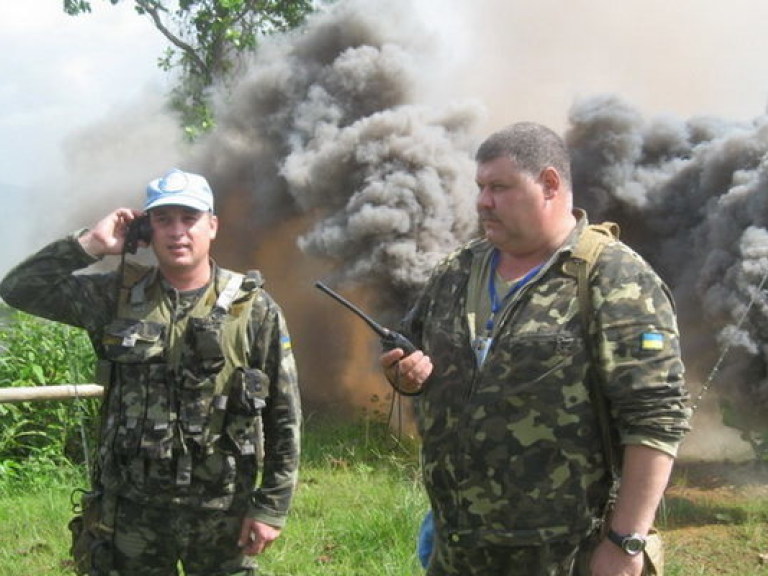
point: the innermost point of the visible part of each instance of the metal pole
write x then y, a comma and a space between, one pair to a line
58, 392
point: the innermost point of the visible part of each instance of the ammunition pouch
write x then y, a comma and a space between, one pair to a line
91, 548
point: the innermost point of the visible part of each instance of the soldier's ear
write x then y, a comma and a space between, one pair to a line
214, 224
550, 181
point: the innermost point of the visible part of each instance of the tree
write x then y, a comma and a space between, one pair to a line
209, 40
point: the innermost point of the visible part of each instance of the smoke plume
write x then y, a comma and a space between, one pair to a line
323, 125
325, 140
691, 197
343, 153
322, 149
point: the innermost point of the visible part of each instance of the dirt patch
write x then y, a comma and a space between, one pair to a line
727, 479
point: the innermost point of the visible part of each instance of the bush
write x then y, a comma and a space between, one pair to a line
37, 352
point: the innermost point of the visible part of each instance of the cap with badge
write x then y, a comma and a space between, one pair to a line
179, 188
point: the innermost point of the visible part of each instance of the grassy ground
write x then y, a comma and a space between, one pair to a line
359, 505
715, 519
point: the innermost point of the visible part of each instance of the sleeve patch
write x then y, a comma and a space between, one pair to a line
285, 341
651, 341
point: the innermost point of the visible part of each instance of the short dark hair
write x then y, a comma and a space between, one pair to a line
532, 146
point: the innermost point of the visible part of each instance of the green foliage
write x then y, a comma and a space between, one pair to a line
37, 352
209, 40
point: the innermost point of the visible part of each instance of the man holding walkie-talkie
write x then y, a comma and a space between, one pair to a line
509, 361
197, 369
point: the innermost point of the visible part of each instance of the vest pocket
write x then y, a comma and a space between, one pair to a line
203, 340
134, 342
250, 388
247, 399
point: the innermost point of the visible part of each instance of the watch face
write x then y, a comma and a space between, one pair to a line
633, 544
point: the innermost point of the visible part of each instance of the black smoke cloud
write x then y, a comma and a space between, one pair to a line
326, 128
692, 197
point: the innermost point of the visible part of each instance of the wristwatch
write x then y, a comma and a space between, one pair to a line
632, 544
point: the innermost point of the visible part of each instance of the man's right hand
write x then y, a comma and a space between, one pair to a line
407, 373
108, 235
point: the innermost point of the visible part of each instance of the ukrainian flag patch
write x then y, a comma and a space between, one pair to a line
285, 341
651, 341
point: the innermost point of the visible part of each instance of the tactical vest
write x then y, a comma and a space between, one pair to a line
180, 384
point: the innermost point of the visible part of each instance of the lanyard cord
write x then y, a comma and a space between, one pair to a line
496, 302
710, 379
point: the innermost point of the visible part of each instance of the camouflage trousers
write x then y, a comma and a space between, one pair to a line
449, 559
153, 541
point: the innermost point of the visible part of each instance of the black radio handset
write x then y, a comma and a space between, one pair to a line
389, 338
139, 230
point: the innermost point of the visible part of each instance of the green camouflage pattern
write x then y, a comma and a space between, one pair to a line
551, 559
192, 394
146, 541
512, 451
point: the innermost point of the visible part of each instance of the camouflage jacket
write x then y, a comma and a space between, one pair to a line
190, 390
511, 450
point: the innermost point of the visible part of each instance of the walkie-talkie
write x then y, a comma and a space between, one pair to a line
389, 338
139, 229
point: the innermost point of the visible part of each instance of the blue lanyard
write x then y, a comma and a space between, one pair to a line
497, 303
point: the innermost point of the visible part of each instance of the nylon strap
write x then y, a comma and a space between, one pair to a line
583, 259
227, 296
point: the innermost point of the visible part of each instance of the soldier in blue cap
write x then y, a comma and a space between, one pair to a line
199, 444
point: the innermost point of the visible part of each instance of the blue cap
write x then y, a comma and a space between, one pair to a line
178, 188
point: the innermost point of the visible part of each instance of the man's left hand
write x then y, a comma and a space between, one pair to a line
609, 560
256, 536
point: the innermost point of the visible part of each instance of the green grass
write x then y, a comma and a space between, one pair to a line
360, 502
33, 532
715, 519
356, 511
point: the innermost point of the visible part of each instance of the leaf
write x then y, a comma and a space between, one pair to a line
37, 372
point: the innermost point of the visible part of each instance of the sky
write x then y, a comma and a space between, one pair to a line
60, 75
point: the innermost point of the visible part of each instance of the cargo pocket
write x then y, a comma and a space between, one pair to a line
136, 349
248, 393
247, 399
202, 360
203, 345
134, 342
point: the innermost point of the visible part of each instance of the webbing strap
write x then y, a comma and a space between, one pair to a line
583, 259
218, 407
227, 296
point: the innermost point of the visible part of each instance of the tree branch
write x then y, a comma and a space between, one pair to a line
151, 9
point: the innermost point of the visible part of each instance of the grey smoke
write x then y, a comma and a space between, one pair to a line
326, 126
692, 197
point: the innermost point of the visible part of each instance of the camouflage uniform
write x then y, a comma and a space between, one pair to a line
190, 389
511, 450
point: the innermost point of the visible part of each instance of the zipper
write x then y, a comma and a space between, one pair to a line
463, 426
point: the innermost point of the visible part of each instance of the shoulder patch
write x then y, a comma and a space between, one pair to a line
651, 341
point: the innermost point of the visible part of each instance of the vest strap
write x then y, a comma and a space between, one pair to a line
227, 296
